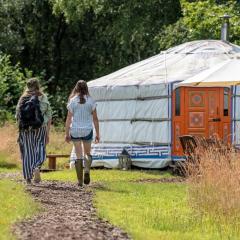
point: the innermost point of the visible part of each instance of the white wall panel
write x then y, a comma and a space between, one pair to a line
116, 131
153, 109
151, 132
153, 90
238, 90
237, 108
114, 92
128, 92
237, 132
135, 132
116, 109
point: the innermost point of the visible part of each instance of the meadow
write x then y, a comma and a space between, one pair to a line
15, 205
206, 206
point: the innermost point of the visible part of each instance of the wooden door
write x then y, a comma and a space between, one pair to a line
200, 112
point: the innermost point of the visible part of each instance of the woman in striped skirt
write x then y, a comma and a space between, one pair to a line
33, 138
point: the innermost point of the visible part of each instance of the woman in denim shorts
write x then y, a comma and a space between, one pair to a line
82, 115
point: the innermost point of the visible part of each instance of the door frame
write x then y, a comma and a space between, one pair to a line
180, 119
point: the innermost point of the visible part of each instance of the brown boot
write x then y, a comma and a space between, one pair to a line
79, 171
87, 167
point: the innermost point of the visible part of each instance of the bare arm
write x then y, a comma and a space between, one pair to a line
96, 125
67, 126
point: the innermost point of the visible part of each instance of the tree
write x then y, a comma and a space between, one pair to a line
63, 41
12, 83
201, 20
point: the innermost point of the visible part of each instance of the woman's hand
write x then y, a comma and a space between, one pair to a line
67, 138
97, 139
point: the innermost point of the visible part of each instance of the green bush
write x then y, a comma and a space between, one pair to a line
5, 116
12, 82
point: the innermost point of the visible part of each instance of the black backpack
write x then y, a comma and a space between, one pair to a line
30, 115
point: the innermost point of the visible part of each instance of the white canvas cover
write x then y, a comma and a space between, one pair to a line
134, 103
226, 73
175, 64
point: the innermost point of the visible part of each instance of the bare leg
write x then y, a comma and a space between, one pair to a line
78, 149
79, 161
87, 155
87, 161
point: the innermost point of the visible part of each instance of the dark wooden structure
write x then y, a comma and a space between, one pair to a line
52, 160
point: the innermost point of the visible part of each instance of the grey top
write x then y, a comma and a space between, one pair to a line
82, 118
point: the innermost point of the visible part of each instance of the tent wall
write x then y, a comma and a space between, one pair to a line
134, 103
236, 116
146, 156
137, 118
112, 92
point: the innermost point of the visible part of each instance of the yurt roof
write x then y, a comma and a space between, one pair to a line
175, 64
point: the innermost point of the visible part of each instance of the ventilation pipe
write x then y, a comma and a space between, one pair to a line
225, 28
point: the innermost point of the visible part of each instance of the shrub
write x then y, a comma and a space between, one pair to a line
12, 82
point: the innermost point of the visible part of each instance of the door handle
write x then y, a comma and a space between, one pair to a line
215, 120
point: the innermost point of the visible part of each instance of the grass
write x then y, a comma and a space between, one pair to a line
156, 211
4, 164
9, 150
149, 210
206, 207
7, 165
106, 176
15, 205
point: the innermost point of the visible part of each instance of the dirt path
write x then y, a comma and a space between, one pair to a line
68, 213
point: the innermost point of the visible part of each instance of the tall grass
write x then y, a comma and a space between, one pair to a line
9, 149
8, 144
214, 186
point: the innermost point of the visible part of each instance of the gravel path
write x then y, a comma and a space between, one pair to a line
68, 213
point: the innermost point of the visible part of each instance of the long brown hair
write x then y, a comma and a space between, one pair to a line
32, 88
81, 90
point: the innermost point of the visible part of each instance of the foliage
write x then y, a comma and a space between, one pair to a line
15, 205
12, 82
202, 20
64, 41
126, 28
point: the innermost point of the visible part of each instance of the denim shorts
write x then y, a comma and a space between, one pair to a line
87, 138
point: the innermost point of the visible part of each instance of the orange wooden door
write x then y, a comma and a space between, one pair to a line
200, 112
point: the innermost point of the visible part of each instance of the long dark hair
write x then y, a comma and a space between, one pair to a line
81, 90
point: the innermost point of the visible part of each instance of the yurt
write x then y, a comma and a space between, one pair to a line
142, 108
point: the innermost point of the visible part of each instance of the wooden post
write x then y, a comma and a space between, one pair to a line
52, 162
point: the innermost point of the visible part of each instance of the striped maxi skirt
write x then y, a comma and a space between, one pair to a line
32, 145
